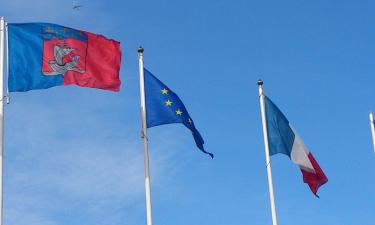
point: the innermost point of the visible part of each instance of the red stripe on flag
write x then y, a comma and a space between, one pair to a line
314, 180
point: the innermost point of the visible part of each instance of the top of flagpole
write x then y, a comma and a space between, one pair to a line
260, 86
140, 49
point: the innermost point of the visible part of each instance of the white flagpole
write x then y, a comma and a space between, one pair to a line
2, 41
371, 116
266, 149
144, 136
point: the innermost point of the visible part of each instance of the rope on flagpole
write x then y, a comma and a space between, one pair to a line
143, 135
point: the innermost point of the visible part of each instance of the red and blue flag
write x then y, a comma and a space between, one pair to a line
44, 55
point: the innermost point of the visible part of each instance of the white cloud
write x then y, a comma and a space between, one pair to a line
76, 169
24, 218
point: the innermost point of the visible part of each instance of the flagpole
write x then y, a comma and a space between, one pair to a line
266, 149
371, 116
144, 136
2, 41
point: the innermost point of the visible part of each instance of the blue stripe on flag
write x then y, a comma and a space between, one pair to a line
280, 135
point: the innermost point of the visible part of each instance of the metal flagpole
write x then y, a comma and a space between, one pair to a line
371, 116
144, 136
266, 149
2, 41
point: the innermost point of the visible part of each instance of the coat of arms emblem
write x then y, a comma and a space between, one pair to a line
61, 66
64, 52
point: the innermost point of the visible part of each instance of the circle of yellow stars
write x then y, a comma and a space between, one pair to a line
169, 103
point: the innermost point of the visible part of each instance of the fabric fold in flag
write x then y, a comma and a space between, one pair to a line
165, 107
284, 139
44, 55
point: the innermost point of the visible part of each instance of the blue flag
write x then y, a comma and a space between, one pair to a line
165, 107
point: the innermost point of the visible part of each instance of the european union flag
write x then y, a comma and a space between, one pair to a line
165, 107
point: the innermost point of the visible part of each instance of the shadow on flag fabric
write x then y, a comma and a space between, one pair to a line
284, 139
165, 107
44, 55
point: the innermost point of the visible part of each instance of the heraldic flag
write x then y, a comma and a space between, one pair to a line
284, 139
43, 55
165, 107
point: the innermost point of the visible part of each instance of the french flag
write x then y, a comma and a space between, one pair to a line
282, 138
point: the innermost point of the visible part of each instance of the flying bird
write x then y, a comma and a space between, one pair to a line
76, 6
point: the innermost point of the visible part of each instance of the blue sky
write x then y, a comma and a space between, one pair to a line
74, 155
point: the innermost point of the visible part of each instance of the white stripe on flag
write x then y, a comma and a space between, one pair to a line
300, 153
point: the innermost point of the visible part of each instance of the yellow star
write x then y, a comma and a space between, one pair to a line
190, 121
178, 112
168, 103
164, 91
49, 30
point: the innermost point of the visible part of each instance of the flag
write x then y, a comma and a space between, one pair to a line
282, 138
44, 55
165, 107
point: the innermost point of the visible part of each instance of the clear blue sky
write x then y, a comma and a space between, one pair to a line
74, 155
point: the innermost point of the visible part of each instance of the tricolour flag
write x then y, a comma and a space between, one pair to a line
44, 55
282, 138
165, 107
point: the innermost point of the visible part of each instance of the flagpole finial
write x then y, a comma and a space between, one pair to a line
140, 49
260, 82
